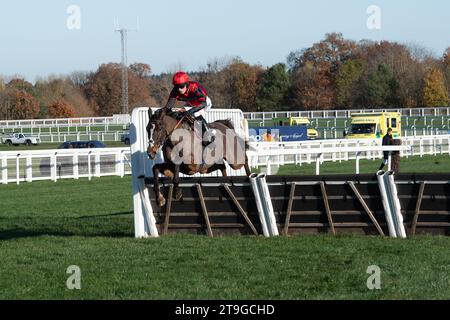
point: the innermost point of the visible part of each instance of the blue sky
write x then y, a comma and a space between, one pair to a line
35, 40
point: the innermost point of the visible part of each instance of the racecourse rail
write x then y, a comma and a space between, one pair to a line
342, 114
54, 164
123, 119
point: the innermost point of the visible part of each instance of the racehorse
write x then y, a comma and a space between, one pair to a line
174, 132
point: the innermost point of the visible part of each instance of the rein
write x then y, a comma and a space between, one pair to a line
174, 128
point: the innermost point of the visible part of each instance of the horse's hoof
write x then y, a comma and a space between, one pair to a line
178, 195
162, 201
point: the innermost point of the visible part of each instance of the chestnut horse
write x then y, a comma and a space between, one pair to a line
174, 132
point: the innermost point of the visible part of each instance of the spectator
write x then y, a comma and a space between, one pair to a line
268, 136
387, 141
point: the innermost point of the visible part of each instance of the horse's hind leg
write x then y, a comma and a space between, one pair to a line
157, 168
223, 169
248, 172
239, 166
176, 181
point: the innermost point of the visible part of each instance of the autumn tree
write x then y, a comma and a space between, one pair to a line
17, 100
160, 88
381, 87
408, 65
312, 87
24, 105
104, 89
21, 85
242, 80
214, 78
63, 89
60, 109
141, 70
434, 91
79, 78
272, 90
314, 71
446, 68
348, 83
139, 83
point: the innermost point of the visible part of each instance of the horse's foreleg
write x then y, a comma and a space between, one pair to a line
160, 200
248, 172
223, 169
239, 166
176, 181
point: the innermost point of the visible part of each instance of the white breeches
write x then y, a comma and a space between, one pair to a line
203, 111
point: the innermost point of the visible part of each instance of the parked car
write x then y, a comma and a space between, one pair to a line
20, 138
82, 144
125, 138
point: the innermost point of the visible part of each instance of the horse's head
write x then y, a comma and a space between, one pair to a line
156, 131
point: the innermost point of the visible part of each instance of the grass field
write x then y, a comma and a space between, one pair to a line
45, 227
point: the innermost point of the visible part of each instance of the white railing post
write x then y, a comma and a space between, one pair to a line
89, 165
308, 156
17, 168
118, 163
434, 147
76, 172
448, 145
122, 164
97, 164
421, 147
29, 170
5, 169
333, 156
357, 162
53, 166
318, 159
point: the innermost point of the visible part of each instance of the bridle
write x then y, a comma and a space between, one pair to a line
168, 134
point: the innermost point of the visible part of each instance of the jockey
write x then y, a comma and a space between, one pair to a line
195, 97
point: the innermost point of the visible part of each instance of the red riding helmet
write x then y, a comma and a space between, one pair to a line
180, 78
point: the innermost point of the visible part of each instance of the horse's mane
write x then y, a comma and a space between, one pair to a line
172, 114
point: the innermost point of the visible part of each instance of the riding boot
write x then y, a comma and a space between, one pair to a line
205, 129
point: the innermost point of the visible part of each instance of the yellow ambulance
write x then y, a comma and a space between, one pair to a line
301, 121
374, 125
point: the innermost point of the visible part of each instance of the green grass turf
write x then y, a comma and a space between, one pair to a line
46, 227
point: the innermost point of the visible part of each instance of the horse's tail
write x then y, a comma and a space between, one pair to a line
227, 123
247, 145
